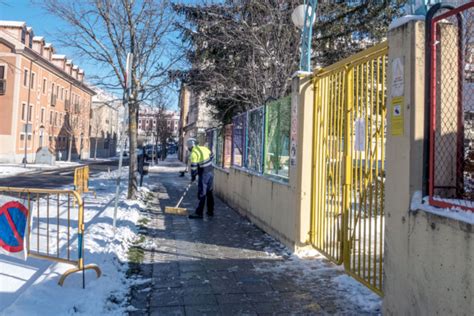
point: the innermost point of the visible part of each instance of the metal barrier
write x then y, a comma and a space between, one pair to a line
347, 217
81, 179
53, 224
451, 107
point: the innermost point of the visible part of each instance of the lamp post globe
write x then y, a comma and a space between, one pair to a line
299, 14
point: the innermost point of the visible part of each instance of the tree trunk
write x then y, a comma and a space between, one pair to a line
95, 149
71, 138
132, 126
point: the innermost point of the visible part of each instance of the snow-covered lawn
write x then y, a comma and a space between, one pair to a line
30, 287
9, 170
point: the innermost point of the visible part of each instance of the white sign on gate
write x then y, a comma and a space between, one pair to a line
359, 143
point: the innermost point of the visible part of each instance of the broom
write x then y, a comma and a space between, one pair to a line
178, 210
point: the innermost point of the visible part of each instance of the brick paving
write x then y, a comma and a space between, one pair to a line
227, 266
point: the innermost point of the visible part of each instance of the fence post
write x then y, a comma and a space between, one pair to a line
300, 174
404, 160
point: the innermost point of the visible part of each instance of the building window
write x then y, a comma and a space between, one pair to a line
22, 137
25, 78
52, 88
55, 118
2, 80
44, 85
62, 91
57, 91
32, 82
23, 111
29, 137
42, 115
23, 36
30, 113
51, 117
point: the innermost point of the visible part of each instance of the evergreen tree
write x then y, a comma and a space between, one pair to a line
243, 52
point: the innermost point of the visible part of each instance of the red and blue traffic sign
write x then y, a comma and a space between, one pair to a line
13, 221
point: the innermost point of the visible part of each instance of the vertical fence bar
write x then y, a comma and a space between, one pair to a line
47, 224
57, 228
348, 121
38, 222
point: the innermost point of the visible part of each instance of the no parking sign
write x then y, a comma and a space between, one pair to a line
14, 227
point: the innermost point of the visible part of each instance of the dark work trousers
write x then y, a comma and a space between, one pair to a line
205, 189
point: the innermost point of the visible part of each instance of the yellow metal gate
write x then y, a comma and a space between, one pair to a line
348, 168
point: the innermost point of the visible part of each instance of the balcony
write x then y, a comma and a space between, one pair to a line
3, 86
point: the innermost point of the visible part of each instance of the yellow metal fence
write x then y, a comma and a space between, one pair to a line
348, 168
57, 226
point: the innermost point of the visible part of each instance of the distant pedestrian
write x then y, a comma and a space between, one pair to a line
142, 164
201, 166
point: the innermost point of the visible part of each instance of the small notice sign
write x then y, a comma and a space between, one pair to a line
359, 143
397, 116
398, 77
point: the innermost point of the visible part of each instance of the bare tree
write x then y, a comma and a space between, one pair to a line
162, 130
97, 125
73, 126
105, 31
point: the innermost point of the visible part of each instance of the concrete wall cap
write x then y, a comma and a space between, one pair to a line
404, 20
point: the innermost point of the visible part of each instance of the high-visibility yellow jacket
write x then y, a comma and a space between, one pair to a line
201, 160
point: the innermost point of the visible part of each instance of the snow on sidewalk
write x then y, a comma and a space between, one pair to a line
30, 287
228, 266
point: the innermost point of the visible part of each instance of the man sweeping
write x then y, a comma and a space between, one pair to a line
201, 165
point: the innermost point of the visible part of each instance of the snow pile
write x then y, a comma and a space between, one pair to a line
30, 287
420, 203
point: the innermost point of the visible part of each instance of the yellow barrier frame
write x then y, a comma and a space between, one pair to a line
79, 263
81, 180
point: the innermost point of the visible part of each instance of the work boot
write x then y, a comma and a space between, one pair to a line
195, 216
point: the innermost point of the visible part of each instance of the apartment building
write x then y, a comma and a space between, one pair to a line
44, 101
105, 122
195, 118
148, 120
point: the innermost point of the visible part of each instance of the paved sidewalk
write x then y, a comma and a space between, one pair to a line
227, 266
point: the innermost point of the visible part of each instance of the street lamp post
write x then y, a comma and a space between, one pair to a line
303, 17
81, 147
28, 114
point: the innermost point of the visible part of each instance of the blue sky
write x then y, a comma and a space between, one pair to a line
47, 25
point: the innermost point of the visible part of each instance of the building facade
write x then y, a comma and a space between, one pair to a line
153, 121
44, 101
104, 126
195, 118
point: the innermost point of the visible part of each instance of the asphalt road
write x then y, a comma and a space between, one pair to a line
52, 179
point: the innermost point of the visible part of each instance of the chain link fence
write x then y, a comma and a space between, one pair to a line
452, 108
